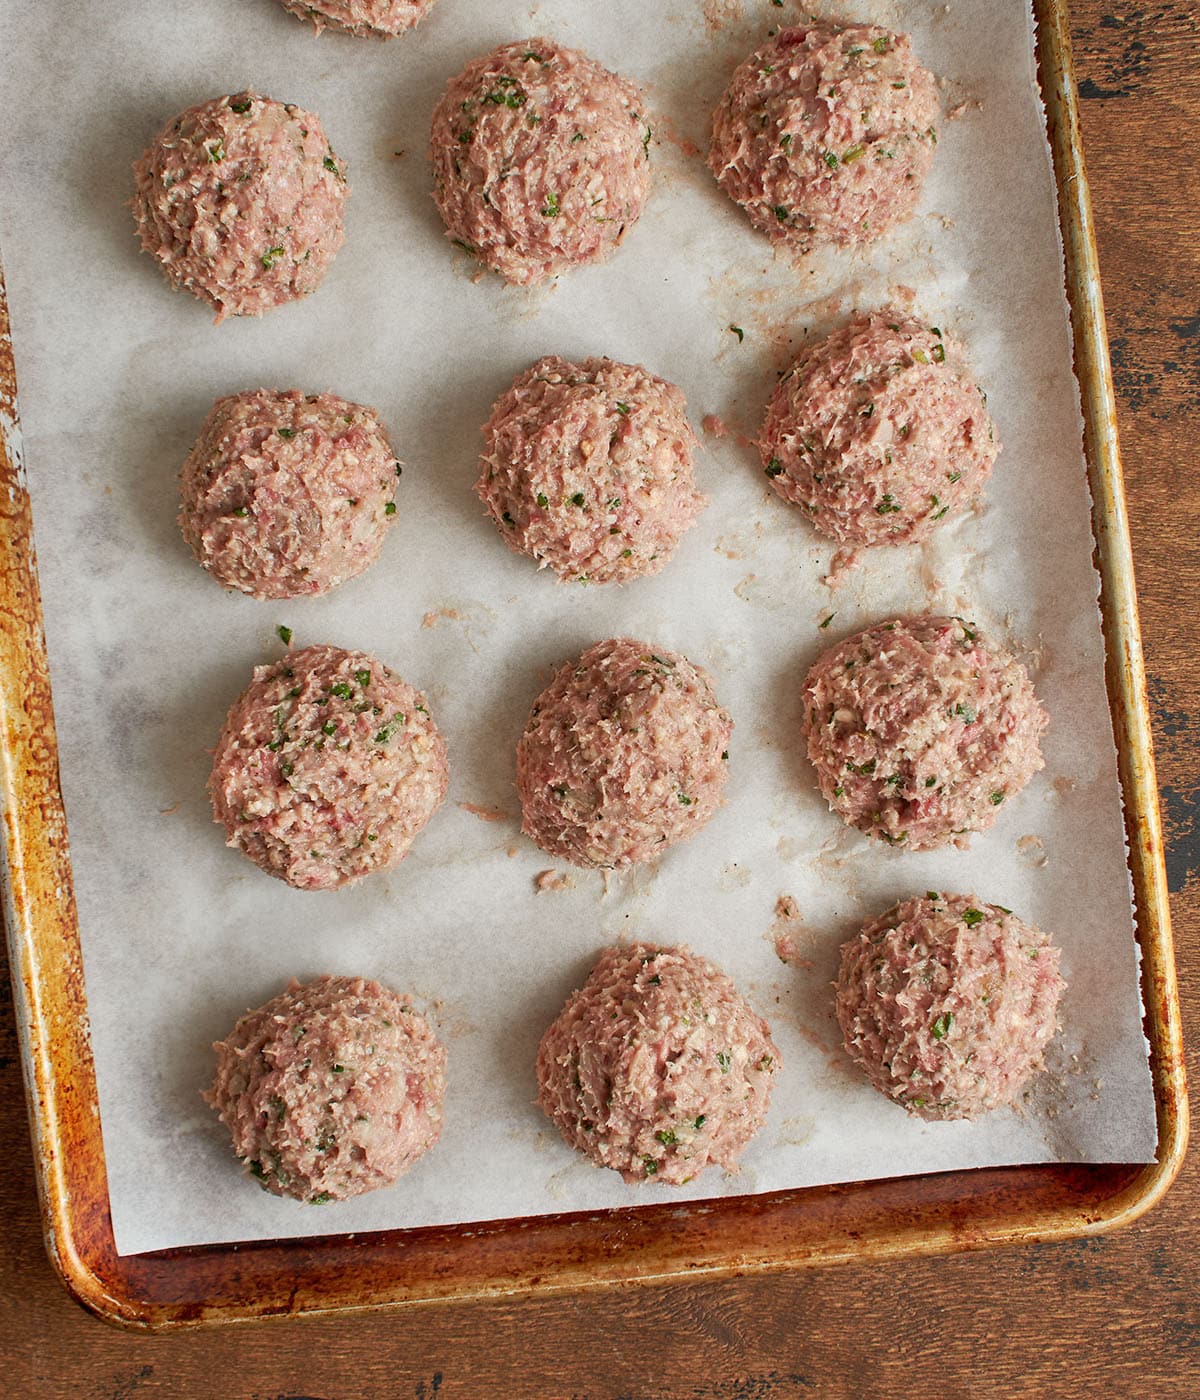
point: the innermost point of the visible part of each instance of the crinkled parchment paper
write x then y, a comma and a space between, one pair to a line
180, 935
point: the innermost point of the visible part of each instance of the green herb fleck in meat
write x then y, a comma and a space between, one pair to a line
390, 729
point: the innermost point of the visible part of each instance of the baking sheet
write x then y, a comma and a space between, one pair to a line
180, 935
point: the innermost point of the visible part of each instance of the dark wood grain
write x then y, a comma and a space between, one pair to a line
1111, 1317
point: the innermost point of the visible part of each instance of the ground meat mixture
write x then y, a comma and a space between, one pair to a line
287, 494
379, 18
624, 754
920, 729
946, 1004
327, 768
657, 1067
540, 159
588, 468
826, 134
240, 200
330, 1089
879, 431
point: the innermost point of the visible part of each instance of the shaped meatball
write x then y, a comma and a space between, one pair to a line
826, 133
657, 1067
920, 729
240, 200
327, 768
540, 159
588, 468
946, 1004
624, 754
330, 1089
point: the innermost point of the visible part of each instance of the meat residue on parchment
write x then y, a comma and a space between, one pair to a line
714, 425
485, 814
788, 924
1032, 851
666, 130
840, 566
473, 616
551, 881
719, 13
431, 619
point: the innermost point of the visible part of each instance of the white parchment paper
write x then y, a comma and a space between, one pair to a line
180, 935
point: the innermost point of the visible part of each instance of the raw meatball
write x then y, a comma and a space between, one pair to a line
826, 134
240, 200
657, 1067
919, 729
879, 431
330, 1089
946, 1004
624, 754
588, 468
286, 494
327, 768
381, 18
540, 159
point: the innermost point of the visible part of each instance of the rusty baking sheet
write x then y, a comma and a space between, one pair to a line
784, 1230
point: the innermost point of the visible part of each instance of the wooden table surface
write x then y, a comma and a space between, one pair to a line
1108, 1317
